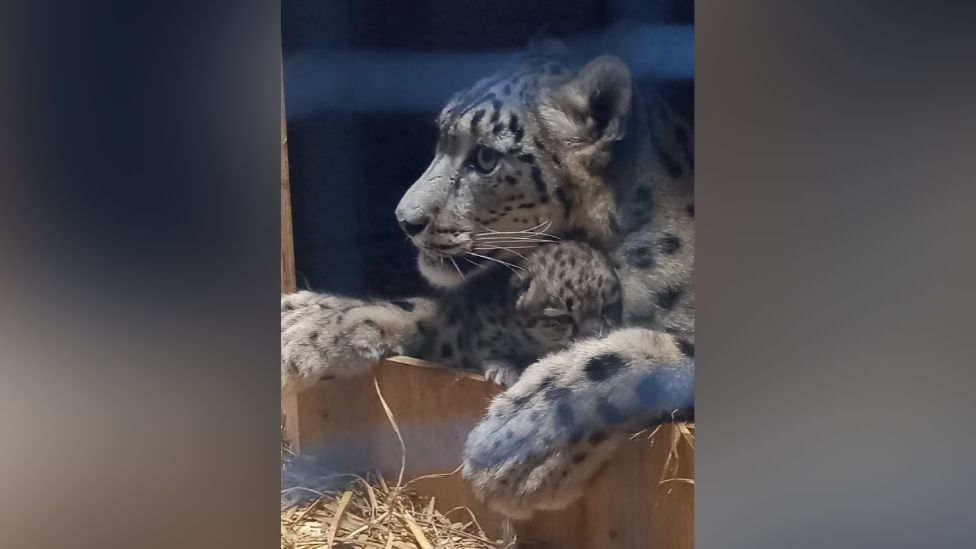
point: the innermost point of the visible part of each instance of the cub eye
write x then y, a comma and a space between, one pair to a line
485, 159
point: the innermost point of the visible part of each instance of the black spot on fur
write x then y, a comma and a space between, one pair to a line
403, 304
517, 131
564, 200
511, 180
579, 458
669, 244
540, 186
507, 90
668, 298
603, 366
496, 106
641, 257
687, 348
313, 336
476, 119
528, 158
597, 437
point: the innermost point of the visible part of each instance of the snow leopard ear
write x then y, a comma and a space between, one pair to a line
592, 107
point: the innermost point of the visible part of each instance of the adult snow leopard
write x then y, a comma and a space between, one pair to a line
576, 151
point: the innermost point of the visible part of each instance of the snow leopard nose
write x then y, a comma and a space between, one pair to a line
414, 227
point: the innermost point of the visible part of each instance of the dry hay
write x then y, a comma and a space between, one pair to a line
369, 513
351, 511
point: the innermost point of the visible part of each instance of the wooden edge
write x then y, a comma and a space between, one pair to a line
289, 404
420, 363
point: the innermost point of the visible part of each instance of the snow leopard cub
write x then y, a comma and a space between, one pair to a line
502, 322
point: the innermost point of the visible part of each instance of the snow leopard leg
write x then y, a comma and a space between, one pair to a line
544, 438
323, 335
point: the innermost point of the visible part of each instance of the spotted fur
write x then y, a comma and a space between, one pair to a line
543, 149
510, 319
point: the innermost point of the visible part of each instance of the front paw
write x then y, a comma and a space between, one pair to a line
332, 336
518, 462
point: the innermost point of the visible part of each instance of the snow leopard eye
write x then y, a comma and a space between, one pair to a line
484, 160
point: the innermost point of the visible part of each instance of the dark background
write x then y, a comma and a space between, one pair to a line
364, 81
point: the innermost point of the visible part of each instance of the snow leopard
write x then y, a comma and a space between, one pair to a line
578, 149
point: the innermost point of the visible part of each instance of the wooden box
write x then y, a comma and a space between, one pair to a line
642, 498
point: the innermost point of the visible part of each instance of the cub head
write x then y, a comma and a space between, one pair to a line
519, 157
568, 291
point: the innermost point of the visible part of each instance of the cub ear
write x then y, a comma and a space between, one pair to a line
593, 106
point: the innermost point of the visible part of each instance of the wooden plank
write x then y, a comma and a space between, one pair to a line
289, 405
287, 241
435, 408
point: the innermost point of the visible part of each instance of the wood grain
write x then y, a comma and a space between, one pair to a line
626, 505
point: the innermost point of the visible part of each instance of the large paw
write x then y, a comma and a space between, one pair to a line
544, 438
333, 336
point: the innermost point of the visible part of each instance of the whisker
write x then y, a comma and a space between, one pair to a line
505, 263
512, 238
489, 248
458, 269
512, 250
544, 224
515, 234
512, 233
473, 263
515, 237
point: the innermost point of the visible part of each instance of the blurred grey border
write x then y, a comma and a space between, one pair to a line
836, 234
835, 147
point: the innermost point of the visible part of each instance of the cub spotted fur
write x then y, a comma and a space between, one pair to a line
512, 318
